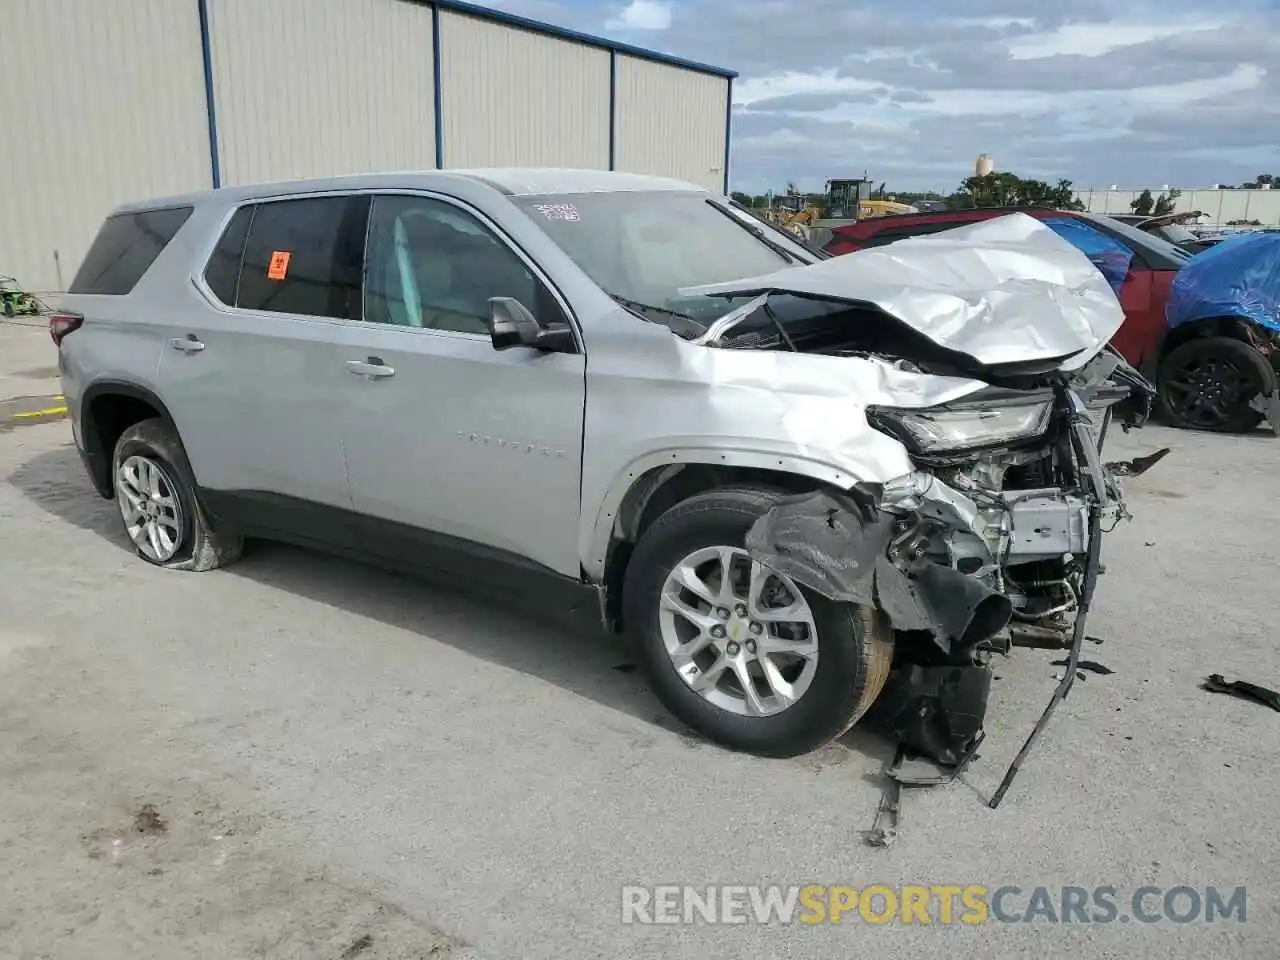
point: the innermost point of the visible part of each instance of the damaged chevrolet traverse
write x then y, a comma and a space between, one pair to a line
961, 388
833, 484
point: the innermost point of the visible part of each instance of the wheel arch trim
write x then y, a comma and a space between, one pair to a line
97, 458
638, 474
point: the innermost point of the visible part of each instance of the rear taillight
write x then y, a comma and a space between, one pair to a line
60, 324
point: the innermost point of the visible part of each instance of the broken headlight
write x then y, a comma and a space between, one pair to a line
961, 426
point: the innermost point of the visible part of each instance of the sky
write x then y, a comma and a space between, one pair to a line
1099, 92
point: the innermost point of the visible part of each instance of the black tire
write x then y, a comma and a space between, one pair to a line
1232, 368
200, 548
855, 644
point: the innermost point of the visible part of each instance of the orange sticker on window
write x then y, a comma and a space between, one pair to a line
279, 265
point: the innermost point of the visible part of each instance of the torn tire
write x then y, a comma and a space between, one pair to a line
854, 643
199, 547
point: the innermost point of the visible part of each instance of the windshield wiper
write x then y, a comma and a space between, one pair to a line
689, 327
757, 232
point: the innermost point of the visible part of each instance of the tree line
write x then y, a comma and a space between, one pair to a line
1003, 190
992, 190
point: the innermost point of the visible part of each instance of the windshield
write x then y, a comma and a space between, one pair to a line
1157, 253
643, 247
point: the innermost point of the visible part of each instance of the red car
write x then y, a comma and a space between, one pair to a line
1208, 373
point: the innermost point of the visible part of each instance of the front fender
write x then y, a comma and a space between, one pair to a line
596, 536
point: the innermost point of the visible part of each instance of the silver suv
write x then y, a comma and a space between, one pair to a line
789, 479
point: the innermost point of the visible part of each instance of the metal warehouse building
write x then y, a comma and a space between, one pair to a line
106, 101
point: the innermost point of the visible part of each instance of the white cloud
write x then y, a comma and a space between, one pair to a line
1095, 39
783, 84
642, 15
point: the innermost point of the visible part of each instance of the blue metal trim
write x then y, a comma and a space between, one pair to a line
439, 98
613, 109
206, 52
728, 131
512, 20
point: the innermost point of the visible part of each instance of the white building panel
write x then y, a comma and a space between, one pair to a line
1220, 207
102, 103
670, 121
1234, 205
515, 98
311, 88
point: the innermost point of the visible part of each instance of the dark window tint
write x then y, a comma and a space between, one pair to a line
223, 272
126, 245
434, 266
305, 257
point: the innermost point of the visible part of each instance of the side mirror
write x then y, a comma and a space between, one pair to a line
512, 325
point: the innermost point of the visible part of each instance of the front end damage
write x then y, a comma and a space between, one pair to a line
977, 550
990, 537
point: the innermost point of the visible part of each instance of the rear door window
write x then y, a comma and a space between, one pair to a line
124, 249
305, 257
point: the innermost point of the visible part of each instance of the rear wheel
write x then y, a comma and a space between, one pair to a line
741, 654
155, 492
1209, 384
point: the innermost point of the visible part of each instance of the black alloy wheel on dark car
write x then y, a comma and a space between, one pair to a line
1210, 384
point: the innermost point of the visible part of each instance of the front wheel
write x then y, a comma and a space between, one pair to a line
741, 654
1210, 384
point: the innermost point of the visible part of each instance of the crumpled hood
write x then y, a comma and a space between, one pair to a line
1006, 290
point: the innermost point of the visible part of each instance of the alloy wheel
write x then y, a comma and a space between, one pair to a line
1206, 393
740, 635
150, 507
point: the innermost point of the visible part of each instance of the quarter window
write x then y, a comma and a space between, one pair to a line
435, 267
125, 247
305, 257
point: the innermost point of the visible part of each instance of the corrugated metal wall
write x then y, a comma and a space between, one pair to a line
514, 98
98, 107
310, 88
671, 121
106, 102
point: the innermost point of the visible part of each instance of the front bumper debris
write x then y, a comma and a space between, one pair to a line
955, 565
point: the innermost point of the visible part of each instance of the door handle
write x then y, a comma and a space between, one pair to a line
187, 344
373, 368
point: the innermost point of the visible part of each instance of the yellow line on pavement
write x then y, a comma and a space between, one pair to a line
46, 412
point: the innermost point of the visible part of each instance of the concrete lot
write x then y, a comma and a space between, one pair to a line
338, 754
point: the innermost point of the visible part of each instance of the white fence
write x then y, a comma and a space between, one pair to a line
1220, 207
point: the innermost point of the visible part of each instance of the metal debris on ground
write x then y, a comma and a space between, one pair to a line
1138, 465
1216, 683
910, 769
1093, 666
884, 829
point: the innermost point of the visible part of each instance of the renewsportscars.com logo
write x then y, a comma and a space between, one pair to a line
970, 904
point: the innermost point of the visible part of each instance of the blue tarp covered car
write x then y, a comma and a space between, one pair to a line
1213, 382
1235, 283
1239, 277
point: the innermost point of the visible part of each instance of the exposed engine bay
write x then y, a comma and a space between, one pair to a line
982, 351
980, 548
